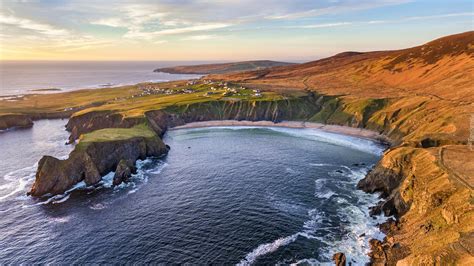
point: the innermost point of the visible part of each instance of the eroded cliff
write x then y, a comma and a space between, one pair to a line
97, 154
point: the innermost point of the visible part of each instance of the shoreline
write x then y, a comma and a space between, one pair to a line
345, 130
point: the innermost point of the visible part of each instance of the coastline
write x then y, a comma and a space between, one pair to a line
345, 130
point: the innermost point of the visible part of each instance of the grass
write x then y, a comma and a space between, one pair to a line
131, 101
114, 134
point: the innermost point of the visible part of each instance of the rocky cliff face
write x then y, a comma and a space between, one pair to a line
15, 120
89, 162
432, 210
95, 120
302, 108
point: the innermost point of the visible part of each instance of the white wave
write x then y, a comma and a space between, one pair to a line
309, 226
107, 180
98, 206
17, 181
309, 262
268, 248
60, 198
292, 171
314, 222
321, 164
354, 244
60, 219
320, 189
362, 228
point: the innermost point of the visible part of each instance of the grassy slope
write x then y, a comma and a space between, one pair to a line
128, 100
110, 134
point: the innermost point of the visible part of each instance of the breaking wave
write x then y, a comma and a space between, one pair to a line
355, 221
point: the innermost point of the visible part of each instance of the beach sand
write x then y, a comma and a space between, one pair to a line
351, 131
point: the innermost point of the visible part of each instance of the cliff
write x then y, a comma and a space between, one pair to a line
15, 121
94, 156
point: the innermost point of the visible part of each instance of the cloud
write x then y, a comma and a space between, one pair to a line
199, 37
194, 28
27, 24
27, 34
111, 22
469, 14
323, 25
405, 19
336, 7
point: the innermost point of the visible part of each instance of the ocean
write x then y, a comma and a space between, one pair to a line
24, 77
223, 195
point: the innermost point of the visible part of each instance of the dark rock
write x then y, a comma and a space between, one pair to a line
56, 176
386, 252
90, 163
339, 259
124, 171
377, 253
386, 181
389, 227
15, 121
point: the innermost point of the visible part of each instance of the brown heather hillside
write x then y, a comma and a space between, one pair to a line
423, 99
441, 68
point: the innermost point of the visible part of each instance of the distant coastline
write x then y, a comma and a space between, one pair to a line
47, 89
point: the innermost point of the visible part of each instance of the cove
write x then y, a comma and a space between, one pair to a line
224, 195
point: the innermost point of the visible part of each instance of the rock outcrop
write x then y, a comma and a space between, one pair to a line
90, 161
124, 171
15, 121
339, 259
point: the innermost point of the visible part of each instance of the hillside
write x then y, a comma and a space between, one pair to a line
222, 68
441, 64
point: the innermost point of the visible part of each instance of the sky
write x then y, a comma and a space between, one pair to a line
290, 30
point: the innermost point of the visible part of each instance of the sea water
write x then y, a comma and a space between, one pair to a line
225, 195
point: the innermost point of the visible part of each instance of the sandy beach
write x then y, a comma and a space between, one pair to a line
351, 131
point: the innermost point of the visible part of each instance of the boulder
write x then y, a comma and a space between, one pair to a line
339, 259
124, 171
